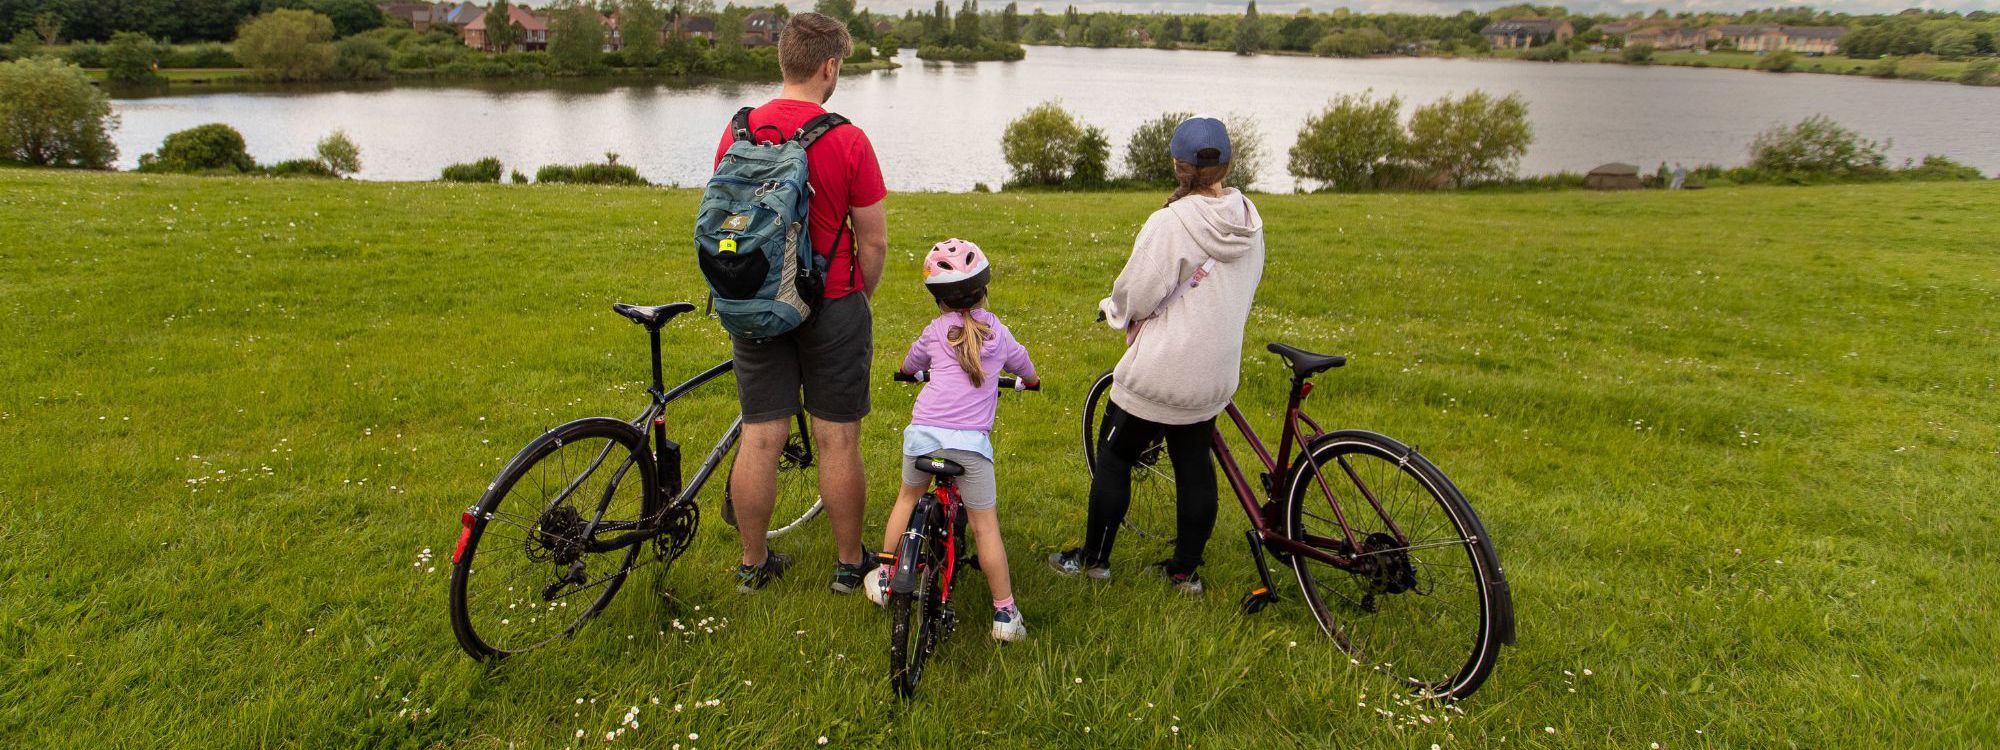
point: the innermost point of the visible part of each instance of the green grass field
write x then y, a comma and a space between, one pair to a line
1738, 449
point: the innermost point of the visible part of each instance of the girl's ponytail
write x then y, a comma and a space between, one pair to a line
967, 341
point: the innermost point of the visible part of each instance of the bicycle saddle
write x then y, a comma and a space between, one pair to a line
655, 316
939, 466
1306, 364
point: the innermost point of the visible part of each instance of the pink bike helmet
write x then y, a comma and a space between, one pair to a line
956, 272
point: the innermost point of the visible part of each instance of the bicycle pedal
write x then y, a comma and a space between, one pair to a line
1256, 600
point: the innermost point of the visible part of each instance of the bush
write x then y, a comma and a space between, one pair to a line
210, 55
1815, 149
988, 49
1246, 151
1353, 43
51, 116
288, 45
1040, 145
129, 58
518, 178
1476, 137
1883, 68
1347, 144
214, 147
1781, 61
1093, 154
1637, 54
1146, 156
301, 168
1981, 73
362, 58
484, 170
339, 154
608, 173
1937, 168
1546, 53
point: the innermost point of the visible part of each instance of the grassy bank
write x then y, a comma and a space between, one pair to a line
1737, 449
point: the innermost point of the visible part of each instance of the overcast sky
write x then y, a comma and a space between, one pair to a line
1438, 7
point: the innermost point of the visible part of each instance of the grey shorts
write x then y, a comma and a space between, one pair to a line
827, 358
977, 487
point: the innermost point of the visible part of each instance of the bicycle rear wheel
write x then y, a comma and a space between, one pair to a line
524, 574
1151, 514
916, 618
1423, 598
798, 500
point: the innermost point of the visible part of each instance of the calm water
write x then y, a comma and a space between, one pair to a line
937, 127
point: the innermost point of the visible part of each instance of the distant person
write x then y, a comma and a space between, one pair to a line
1183, 355
1680, 177
965, 348
828, 356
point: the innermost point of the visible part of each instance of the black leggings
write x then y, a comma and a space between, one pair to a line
1194, 488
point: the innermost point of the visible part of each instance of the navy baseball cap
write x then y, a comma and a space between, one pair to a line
1198, 134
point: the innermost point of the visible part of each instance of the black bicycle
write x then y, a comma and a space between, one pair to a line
928, 559
566, 522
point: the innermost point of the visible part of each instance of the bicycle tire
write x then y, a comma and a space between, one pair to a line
1401, 569
797, 497
483, 637
1151, 514
911, 643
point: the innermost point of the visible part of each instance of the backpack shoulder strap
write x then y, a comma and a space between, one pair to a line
818, 126
739, 126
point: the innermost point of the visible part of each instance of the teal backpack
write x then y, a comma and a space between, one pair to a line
752, 236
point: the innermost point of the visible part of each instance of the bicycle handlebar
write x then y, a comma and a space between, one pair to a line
1006, 383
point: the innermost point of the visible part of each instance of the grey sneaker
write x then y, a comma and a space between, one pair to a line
847, 578
1187, 583
1071, 562
752, 577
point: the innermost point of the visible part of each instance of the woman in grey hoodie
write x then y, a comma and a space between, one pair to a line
1182, 301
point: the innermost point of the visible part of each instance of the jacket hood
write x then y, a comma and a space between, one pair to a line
1225, 227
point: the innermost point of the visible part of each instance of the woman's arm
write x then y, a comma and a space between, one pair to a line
1149, 276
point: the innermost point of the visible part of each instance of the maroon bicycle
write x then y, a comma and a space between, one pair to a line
1389, 555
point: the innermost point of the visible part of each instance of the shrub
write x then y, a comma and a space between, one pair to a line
301, 168
1348, 143
608, 173
576, 35
1917, 67
1040, 145
1546, 53
210, 55
1476, 137
1935, 168
1360, 42
484, 170
84, 54
1146, 156
1093, 154
1781, 61
1883, 68
129, 58
214, 147
1637, 54
362, 58
518, 178
50, 116
1817, 148
288, 45
339, 154
1984, 72
1952, 44
1246, 151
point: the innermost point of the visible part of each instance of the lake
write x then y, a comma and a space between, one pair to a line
937, 126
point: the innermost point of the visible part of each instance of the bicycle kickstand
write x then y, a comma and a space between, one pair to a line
1263, 595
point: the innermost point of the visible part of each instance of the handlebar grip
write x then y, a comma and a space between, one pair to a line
920, 376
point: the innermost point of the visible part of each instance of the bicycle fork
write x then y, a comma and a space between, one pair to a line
1263, 595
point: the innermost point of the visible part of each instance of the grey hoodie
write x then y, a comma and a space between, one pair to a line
1183, 368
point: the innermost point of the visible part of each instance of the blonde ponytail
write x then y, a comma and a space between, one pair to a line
967, 341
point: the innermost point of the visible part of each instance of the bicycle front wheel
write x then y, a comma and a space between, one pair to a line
1151, 514
537, 554
1418, 594
797, 502
916, 618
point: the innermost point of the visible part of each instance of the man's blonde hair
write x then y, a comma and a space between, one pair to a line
808, 41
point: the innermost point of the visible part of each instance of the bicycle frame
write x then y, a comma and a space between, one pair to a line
1299, 429
943, 499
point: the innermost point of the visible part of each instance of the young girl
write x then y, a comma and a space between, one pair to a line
965, 349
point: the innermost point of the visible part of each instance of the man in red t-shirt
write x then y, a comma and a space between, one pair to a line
828, 356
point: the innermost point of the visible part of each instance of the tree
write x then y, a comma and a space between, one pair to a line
349, 17
339, 154
1348, 145
839, 10
1146, 157
1248, 36
214, 147
129, 58
1470, 138
26, 44
50, 116
362, 58
501, 33
1360, 42
965, 30
1954, 44
289, 45
576, 36
1010, 23
639, 22
1040, 145
1093, 153
48, 26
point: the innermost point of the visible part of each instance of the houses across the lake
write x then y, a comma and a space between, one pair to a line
1523, 33
471, 22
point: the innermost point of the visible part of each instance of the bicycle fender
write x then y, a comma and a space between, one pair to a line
903, 579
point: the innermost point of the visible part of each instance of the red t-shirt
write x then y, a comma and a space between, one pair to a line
843, 174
